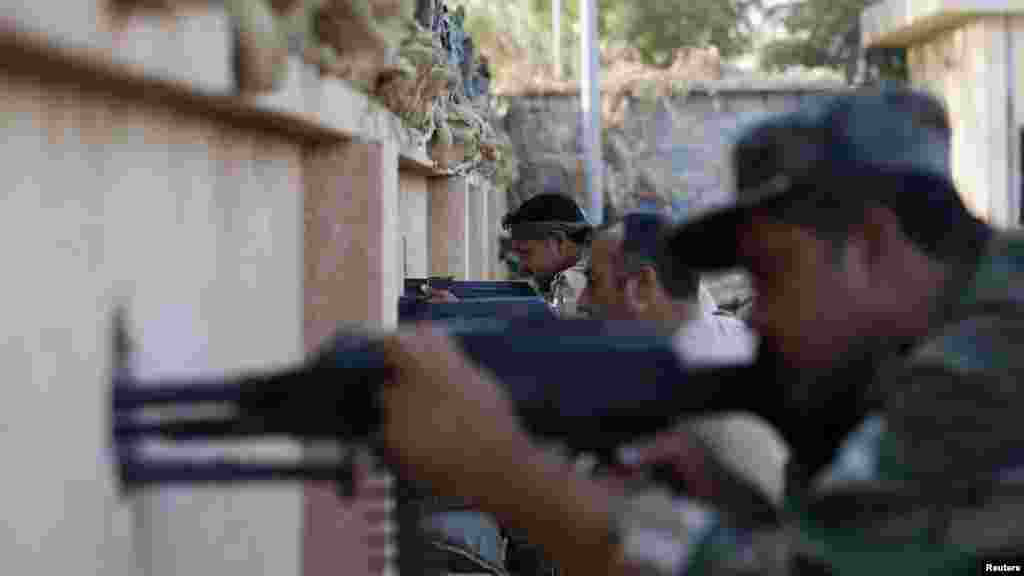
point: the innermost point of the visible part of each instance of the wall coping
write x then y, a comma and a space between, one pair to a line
183, 61
727, 87
900, 23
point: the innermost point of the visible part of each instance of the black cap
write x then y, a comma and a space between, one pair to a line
543, 214
893, 130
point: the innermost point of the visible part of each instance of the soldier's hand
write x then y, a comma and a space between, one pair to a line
438, 296
447, 423
681, 452
699, 473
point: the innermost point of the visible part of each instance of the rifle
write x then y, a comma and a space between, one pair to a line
589, 385
501, 309
466, 290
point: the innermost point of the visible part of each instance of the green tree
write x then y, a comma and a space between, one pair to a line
658, 29
607, 14
826, 33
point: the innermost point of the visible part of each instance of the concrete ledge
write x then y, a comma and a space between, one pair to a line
334, 105
895, 23
781, 84
183, 60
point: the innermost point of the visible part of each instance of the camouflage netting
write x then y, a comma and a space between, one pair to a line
624, 76
417, 59
412, 55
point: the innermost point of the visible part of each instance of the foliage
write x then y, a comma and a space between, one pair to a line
608, 14
781, 54
656, 29
826, 33
659, 29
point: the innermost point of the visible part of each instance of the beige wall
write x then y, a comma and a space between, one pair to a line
479, 228
1015, 53
352, 259
415, 239
497, 207
448, 227
234, 241
104, 203
972, 69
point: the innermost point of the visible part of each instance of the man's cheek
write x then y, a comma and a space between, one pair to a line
782, 327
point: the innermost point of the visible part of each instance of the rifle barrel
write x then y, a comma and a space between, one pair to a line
147, 473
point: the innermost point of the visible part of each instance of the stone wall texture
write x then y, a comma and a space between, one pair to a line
670, 153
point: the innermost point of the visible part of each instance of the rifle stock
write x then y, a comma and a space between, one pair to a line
589, 385
451, 313
564, 376
467, 289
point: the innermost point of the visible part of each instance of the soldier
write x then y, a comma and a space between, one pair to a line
627, 281
903, 313
549, 234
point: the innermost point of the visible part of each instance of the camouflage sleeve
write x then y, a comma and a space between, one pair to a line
946, 434
953, 406
947, 421
664, 536
660, 536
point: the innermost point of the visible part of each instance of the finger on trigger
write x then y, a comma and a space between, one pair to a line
641, 454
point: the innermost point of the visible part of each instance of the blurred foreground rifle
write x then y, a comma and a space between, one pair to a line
475, 310
466, 290
590, 386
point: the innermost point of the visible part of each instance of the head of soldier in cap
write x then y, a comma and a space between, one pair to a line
549, 233
627, 281
848, 220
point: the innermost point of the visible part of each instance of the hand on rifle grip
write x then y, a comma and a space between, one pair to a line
438, 295
441, 413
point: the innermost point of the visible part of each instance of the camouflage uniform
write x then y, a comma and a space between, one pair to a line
949, 443
930, 481
923, 487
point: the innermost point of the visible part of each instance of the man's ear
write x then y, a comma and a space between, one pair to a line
631, 295
877, 233
641, 288
559, 241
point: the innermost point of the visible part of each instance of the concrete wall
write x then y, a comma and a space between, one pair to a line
497, 204
352, 259
415, 238
481, 236
185, 224
673, 149
448, 225
975, 70
229, 249
237, 232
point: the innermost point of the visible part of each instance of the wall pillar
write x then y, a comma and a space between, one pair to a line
352, 274
479, 229
448, 221
497, 207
